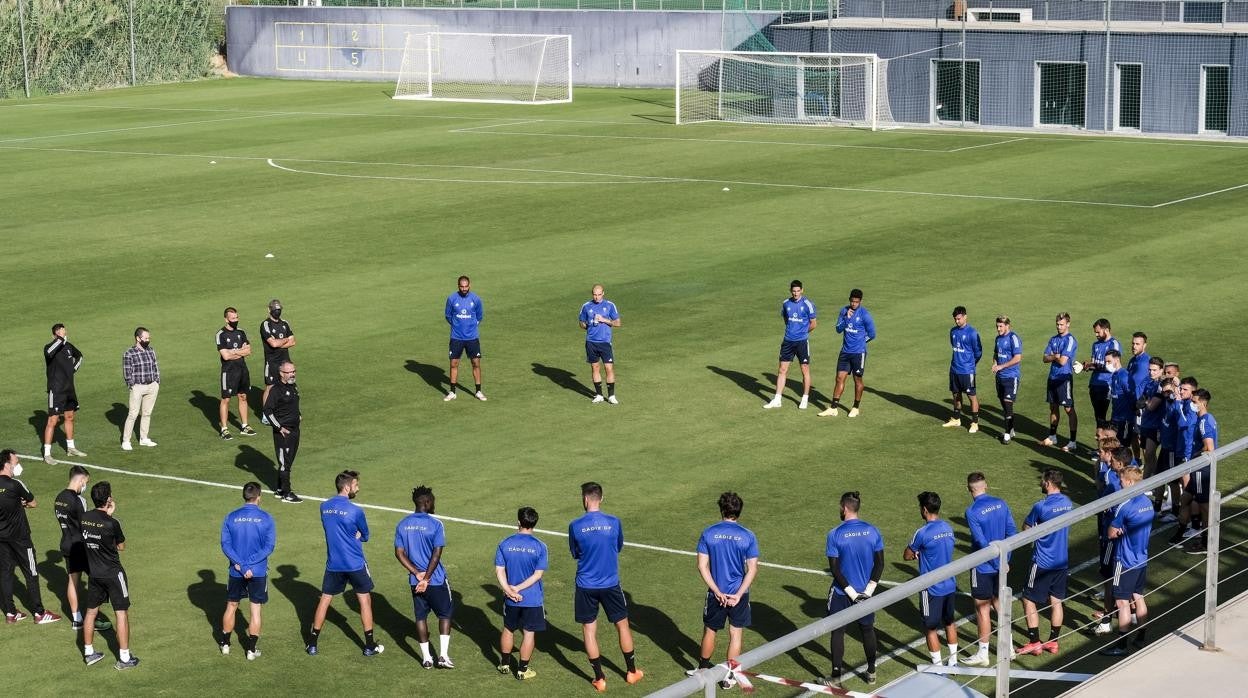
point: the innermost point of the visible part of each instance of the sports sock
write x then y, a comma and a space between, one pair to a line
1073, 435
47, 449
1053, 431
478, 387
88, 650
856, 403
596, 663
975, 418
225, 639
935, 657
611, 389
1033, 634
69, 443
957, 413
368, 639
254, 640
705, 663
1054, 633
630, 661
870, 646
953, 651
524, 666
444, 643
316, 635
598, 387
77, 615
424, 652
123, 655
506, 660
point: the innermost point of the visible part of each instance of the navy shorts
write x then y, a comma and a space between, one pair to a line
799, 348
937, 610
255, 589
852, 363
1060, 391
1128, 582
840, 602
335, 583
611, 599
984, 585
1166, 459
962, 383
76, 558
1007, 388
235, 379
1149, 434
530, 618
599, 351
460, 346
62, 401
714, 615
1109, 550
114, 589
1044, 584
1099, 394
1198, 485
433, 598
1124, 430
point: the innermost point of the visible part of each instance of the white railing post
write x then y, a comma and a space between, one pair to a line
1212, 529
1005, 622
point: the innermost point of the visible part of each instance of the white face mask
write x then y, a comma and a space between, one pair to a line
17, 470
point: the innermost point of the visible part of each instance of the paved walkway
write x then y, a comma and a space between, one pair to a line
1162, 663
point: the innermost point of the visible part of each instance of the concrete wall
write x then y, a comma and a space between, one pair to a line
609, 48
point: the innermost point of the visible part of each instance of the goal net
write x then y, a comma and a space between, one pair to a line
844, 89
498, 68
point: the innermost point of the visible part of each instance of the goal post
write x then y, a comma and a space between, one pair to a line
770, 87
481, 67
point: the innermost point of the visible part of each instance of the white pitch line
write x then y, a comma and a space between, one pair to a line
986, 145
488, 130
1201, 196
131, 128
472, 181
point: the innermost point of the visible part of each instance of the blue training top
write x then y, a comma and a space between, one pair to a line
989, 519
342, 519
520, 555
464, 314
854, 544
857, 331
1066, 346
797, 316
596, 540
248, 537
967, 349
1008, 346
598, 331
729, 545
418, 534
1051, 552
933, 543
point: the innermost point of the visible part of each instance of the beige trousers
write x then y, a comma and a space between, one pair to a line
142, 400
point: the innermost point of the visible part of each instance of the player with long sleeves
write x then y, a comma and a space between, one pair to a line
967, 351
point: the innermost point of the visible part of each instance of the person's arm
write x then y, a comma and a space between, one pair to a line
434, 560
500, 573
838, 578
704, 569
77, 356
269, 410
910, 553
814, 322
127, 369
979, 348
842, 319
227, 546
979, 540
266, 334
400, 554
573, 546
362, 525
612, 317
480, 310
529, 581
449, 312
751, 571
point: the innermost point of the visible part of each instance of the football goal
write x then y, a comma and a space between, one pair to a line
842, 89
498, 68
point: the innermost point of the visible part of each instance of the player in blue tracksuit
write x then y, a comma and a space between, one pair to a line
967, 351
728, 563
346, 532
519, 564
1121, 399
418, 542
1050, 561
1130, 528
932, 546
1098, 384
595, 541
1197, 484
1150, 408
1006, 367
855, 551
989, 519
857, 328
1060, 355
464, 313
800, 320
1137, 376
1113, 457
248, 537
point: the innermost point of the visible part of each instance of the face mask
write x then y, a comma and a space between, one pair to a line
17, 470
275, 312
145, 345
232, 325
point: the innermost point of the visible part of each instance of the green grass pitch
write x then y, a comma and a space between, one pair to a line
158, 206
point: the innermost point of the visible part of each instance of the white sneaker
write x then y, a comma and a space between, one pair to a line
774, 404
953, 660
1191, 533
1070, 447
830, 412
977, 659
1104, 628
853, 412
252, 654
804, 403
264, 420
480, 396
973, 428
1049, 441
449, 396
145, 442
598, 398
225, 649
612, 400
953, 422
1005, 438
125, 446
1168, 517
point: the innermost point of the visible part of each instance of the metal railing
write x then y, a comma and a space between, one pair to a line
705, 681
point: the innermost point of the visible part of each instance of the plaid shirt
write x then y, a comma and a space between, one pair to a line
138, 366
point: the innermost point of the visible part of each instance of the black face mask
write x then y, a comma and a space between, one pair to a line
232, 325
276, 313
145, 345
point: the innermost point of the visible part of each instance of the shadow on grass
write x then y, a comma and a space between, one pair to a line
563, 378
793, 387
208, 405
38, 420
663, 632
749, 383
433, 376
208, 595
474, 625
116, 415
255, 463
772, 624
394, 623
304, 597
561, 646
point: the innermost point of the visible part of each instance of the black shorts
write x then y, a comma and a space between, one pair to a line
1108, 550
599, 351
271, 372
1149, 434
235, 379
62, 401
799, 348
1127, 583
1198, 485
1061, 391
255, 589
1099, 394
114, 590
714, 615
530, 618
1044, 584
937, 610
459, 347
840, 602
852, 363
76, 558
433, 598
984, 584
1007, 388
611, 599
962, 383
1166, 459
334, 583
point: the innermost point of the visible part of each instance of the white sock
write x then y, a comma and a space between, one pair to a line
69, 443
77, 616
444, 641
124, 655
953, 652
88, 650
424, 652
47, 449
936, 657
983, 648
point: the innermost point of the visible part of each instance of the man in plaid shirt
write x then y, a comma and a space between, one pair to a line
142, 376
